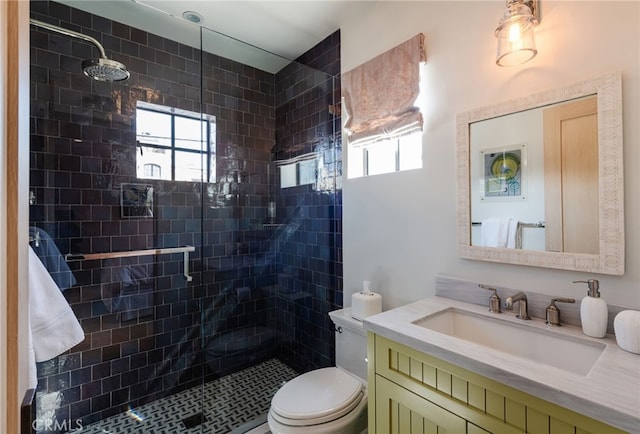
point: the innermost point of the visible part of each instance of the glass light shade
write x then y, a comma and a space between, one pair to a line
516, 40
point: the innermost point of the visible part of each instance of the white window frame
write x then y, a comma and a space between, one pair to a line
207, 152
362, 168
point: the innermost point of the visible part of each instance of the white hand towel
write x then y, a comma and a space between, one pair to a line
494, 232
514, 237
54, 328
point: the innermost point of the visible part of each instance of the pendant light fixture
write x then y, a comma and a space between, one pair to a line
516, 42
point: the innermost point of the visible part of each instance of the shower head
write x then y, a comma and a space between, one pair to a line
102, 69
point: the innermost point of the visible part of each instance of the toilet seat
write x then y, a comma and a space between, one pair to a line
317, 397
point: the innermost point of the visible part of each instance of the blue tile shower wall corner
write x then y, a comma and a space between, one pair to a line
310, 274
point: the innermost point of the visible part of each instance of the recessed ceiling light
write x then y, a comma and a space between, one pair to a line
192, 16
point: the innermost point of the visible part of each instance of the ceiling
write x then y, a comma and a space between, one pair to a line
261, 33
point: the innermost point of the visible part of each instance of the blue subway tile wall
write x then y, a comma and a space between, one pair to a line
163, 334
309, 276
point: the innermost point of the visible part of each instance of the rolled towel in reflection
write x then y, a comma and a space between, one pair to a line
243, 294
50, 256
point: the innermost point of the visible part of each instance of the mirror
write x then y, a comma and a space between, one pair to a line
548, 167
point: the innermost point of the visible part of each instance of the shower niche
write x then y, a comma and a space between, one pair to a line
136, 201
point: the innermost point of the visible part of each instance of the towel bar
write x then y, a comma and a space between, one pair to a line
71, 257
525, 225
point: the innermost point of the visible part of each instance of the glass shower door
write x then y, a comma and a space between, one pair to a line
270, 247
117, 172
190, 215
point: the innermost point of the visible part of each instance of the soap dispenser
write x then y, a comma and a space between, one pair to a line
593, 311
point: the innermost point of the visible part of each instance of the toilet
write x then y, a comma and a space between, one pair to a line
328, 400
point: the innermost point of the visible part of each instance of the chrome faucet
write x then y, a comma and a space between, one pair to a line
521, 298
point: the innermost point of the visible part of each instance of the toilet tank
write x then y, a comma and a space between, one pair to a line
351, 343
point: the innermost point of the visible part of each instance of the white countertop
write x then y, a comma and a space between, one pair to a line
610, 392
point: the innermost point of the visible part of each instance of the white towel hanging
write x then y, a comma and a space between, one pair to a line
514, 236
54, 328
500, 232
494, 232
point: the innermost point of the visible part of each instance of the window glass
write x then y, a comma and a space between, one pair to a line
356, 165
381, 157
190, 133
147, 155
307, 172
288, 175
152, 171
212, 167
188, 166
153, 128
410, 152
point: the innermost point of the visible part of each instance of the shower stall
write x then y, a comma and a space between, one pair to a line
189, 209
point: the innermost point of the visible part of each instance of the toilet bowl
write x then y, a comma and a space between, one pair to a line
328, 400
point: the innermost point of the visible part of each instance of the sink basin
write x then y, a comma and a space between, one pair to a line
540, 345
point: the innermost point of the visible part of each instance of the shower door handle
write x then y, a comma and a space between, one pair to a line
187, 276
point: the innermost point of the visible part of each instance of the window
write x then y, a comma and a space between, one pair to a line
152, 171
386, 156
174, 144
382, 104
300, 170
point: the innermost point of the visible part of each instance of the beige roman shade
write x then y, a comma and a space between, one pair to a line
380, 95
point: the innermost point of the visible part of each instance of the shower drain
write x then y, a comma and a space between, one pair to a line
194, 420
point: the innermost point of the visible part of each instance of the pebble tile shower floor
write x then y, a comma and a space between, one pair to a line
229, 402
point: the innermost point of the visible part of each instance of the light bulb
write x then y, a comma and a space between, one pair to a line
515, 33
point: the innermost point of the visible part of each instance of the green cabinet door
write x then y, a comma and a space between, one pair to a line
399, 411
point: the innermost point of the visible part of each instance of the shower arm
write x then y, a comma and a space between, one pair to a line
71, 33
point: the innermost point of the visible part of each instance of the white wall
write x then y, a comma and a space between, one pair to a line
399, 229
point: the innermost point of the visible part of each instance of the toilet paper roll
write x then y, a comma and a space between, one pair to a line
365, 304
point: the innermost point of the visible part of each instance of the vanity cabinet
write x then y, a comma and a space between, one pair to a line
411, 392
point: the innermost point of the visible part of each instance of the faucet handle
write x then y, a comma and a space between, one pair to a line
553, 313
494, 300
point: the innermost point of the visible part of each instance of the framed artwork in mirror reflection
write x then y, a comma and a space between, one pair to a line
503, 173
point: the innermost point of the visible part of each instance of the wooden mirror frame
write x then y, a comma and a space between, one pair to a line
610, 259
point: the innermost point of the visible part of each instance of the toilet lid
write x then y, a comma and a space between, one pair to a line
317, 396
